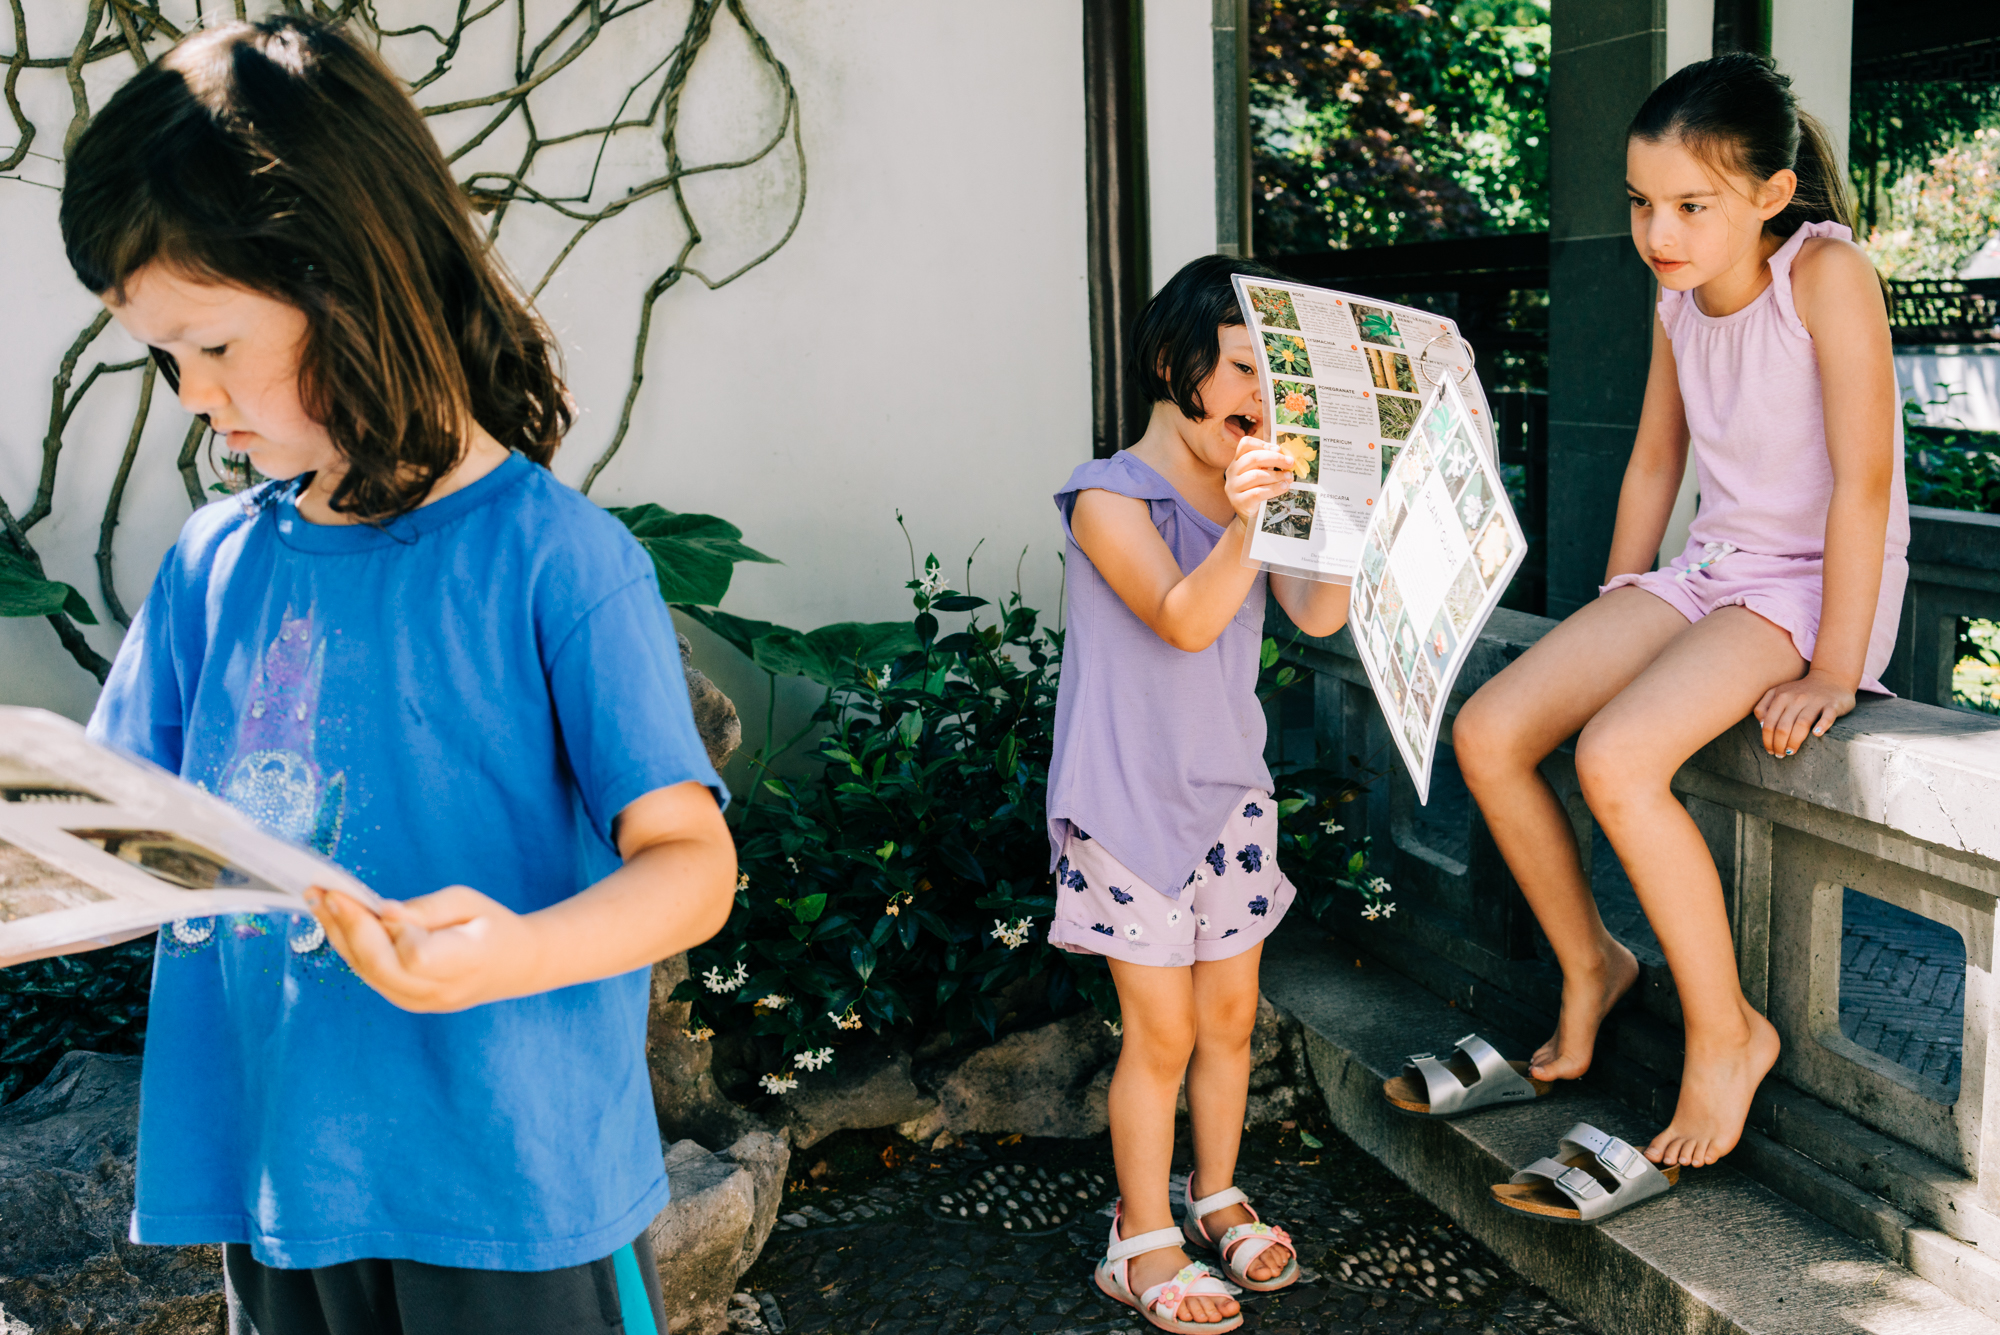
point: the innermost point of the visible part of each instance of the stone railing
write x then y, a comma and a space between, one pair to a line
1900, 801
1954, 572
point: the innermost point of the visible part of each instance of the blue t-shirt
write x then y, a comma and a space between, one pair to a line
468, 695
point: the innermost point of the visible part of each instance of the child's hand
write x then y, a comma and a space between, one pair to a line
1810, 704
447, 951
1255, 475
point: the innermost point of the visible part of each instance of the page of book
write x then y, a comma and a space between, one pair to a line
1343, 378
1438, 554
98, 847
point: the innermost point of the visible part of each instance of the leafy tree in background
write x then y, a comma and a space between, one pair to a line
1384, 121
1934, 215
1896, 128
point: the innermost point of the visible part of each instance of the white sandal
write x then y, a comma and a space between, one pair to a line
1240, 1245
1161, 1304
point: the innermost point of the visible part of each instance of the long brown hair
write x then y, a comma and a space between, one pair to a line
285, 158
1737, 111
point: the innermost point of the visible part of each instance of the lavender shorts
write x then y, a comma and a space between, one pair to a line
1232, 902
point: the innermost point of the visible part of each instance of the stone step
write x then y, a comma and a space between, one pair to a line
1720, 1253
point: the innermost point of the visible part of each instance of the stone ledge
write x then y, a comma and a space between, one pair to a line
1719, 1254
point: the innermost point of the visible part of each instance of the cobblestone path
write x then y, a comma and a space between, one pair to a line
865, 1248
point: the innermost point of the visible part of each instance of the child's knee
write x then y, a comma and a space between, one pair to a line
1613, 769
1160, 1044
1226, 1024
1485, 740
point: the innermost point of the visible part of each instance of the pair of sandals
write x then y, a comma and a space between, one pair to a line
1592, 1175
1237, 1250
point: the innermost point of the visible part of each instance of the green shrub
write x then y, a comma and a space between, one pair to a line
95, 1001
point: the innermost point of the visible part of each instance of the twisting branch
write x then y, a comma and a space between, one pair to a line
137, 30
106, 585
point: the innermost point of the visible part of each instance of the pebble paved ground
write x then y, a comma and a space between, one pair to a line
872, 1246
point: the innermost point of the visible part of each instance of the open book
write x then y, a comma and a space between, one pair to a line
97, 847
1344, 377
1438, 553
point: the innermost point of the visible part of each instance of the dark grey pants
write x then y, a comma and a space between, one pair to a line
411, 1298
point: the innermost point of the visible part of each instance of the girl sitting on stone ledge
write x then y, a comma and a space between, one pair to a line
1162, 830
1771, 358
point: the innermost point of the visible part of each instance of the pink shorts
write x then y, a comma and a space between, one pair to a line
1232, 902
1784, 590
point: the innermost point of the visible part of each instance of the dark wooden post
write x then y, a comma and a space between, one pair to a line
1114, 103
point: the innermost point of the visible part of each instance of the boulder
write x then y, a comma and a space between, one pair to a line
1050, 1081
765, 1157
67, 1149
863, 1091
714, 713
685, 1097
699, 1238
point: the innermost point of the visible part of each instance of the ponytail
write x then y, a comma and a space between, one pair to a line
1823, 194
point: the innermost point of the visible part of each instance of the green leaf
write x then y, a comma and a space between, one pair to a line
887, 850
957, 602
1310, 1141
1268, 654
1288, 805
693, 555
741, 632
23, 593
809, 908
837, 654
1010, 754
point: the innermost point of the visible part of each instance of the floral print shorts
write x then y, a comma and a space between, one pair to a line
1230, 904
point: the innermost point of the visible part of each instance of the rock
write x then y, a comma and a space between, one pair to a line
685, 1097
66, 1158
925, 1129
714, 713
1050, 1081
860, 1093
765, 1157
1271, 1106
698, 1239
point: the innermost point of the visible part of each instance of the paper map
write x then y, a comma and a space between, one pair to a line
96, 847
1344, 378
1438, 553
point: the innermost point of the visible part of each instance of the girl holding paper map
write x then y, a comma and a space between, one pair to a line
1162, 827
1771, 358
418, 650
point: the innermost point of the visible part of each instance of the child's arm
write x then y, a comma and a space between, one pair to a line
457, 948
1653, 477
1314, 607
1839, 300
1187, 611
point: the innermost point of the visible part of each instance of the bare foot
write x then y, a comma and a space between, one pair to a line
1717, 1083
1157, 1267
1267, 1264
1587, 999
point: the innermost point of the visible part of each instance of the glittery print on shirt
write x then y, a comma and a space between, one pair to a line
273, 777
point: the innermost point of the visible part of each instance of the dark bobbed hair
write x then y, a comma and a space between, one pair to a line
285, 158
1174, 342
1737, 112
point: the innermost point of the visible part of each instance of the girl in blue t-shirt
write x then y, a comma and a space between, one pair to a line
416, 650
1162, 830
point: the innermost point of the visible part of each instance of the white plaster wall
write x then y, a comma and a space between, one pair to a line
919, 345
1813, 41
1180, 132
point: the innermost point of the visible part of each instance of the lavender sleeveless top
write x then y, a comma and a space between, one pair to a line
1153, 745
1750, 384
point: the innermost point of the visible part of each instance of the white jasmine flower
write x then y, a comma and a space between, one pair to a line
715, 982
1378, 886
1388, 909
848, 1021
1332, 827
810, 1060
777, 1001
934, 583
743, 880
1014, 935
701, 1035
779, 1084
1116, 1027
794, 863
1371, 913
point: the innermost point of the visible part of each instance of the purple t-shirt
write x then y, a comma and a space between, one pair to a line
1153, 745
